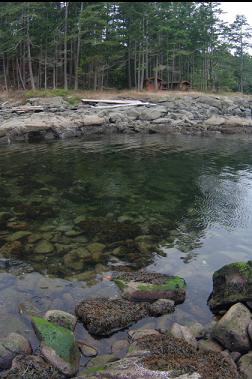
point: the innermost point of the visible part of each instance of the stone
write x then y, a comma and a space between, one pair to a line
250, 330
235, 355
96, 247
4, 217
209, 345
145, 286
44, 247
231, 331
231, 284
58, 346
102, 316
20, 235
102, 360
61, 318
87, 350
197, 330
180, 331
11, 248
161, 307
140, 333
88, 120
150, 114
120, 348
11, 346
245, 366
31, 367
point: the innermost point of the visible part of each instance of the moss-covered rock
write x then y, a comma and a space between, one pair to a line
11, 248
20, 235
144, 286
44, 247
77, 258
58, 346
4, 217
231, 284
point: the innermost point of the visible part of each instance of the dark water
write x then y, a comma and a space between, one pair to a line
178, 205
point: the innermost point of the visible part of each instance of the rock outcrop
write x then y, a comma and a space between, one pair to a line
190, 114
231, 284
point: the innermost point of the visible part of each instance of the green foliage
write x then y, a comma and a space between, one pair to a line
119, 44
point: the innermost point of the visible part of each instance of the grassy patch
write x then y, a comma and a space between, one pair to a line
93, 370
120, 284
71, 97
172, 284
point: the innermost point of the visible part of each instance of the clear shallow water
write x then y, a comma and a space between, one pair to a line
177, 205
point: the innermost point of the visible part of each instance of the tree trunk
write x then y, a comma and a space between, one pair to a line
65, 47
29, 54
5, 76
77, 60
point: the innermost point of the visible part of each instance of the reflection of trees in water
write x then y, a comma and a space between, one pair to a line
172, 191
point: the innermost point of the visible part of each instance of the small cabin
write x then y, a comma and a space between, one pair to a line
149, 85
183, 85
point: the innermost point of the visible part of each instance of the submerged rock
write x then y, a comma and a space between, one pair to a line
20, 235
232, 329
145, 286
11, 248
44, 247
4, 217
58, 346
231, 284
11, 346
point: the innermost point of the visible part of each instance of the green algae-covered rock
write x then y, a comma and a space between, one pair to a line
44, 247
231, 284
11, 248
58, 346
4, 216
21, 234
147, 286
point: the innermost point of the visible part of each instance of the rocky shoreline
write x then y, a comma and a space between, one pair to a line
220, 350
190, 114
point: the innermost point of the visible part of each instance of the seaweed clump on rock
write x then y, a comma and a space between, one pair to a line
31, 367
103, 316
168, 353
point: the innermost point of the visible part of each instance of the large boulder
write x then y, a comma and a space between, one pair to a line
231, 284
165, 357
245, 366
232, 329
58, 346
147, 286
103, 316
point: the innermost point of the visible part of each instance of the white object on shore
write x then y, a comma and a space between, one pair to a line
115, 103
